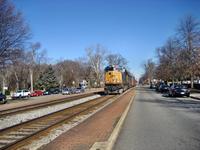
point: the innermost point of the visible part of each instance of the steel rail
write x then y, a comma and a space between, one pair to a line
21, 109
26, 130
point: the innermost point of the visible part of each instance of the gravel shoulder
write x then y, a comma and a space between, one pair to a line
97, 128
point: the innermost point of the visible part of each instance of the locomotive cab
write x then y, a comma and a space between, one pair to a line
113, 80
117, 79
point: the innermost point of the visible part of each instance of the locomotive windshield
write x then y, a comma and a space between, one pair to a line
112, 68
109, 68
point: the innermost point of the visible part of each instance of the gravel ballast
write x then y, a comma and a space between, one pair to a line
18, 118
96, 128
38, 144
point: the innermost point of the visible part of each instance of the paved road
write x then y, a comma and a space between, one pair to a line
156, 122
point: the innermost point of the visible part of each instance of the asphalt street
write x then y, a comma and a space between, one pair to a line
158, 122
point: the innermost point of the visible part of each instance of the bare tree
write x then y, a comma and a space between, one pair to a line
189, 34
96, 58
68, 72
169, 61
179, 58
13, 31
149, 68
31, 55
85, 71
116, 59
18, 72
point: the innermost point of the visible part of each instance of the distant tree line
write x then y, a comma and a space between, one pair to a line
25, 65
179, 57
32, 64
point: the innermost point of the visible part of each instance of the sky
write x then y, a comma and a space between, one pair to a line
132, 28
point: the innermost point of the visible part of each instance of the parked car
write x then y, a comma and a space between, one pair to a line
55, 90
3, 98
47, 92
21, 94
52, 91
152, 86
157, 86
179, 90
37, 93
79, 90
72, 90
163, 88
66, 91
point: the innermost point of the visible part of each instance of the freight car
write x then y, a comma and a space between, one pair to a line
117, 79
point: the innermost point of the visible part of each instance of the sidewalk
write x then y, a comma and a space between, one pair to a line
195, 96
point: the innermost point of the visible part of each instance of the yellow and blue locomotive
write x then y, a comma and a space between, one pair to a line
117, 79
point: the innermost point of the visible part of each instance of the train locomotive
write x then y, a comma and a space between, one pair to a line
117, 79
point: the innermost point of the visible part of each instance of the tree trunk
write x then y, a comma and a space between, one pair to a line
3, 84
61, 82
98, 80
31, 79
17, 79
192, 82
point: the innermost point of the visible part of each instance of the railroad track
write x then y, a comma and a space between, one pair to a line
19, 135
14, 111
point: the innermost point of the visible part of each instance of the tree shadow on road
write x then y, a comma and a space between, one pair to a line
174, 102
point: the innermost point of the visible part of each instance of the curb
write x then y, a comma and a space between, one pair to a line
195, 97
109, 144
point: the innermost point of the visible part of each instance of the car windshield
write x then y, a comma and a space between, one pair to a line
19, 91
65, 89
180, 87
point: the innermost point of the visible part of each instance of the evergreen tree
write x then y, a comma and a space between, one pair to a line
47, 79
39, 84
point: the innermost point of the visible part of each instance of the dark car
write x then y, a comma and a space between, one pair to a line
46, 92
152, 86
163, 88
52, 91
3, 98
158, 85
55, 90
179, 90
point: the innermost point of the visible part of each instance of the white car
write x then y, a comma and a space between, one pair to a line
21, 94
66, 91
